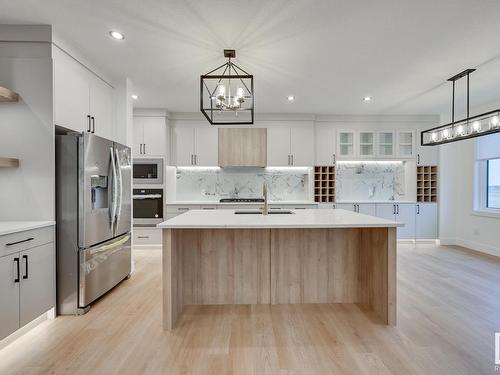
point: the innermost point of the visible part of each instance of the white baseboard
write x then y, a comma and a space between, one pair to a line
473, 245
28, 327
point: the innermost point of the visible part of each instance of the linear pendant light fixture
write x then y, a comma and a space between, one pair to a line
227, 94
469, 127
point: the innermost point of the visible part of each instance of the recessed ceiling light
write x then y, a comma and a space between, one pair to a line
290, 98
117, 35
367, 99
135, 97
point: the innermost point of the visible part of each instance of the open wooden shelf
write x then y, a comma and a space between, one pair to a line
9, 162
324, 183
427, 183
7, 95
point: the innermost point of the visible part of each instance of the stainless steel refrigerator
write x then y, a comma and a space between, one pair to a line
93, 211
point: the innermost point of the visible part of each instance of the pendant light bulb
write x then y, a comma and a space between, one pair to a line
446, 133
434, 137
476, 125
460, 130
495, 121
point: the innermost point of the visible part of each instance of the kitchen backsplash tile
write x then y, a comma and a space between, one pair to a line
212, 184
376, 181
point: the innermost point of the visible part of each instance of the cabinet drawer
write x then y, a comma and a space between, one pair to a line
147, 236
181, 209
14, 242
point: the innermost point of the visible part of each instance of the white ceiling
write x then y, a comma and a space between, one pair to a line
328, 53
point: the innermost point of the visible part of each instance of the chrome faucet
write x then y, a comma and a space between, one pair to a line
265, 208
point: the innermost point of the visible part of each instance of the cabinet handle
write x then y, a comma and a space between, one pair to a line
293, 161
18, 242
418, 209
88, 123
195, 159
183, 209
144, 148
25, 257
397, 208
93, 124
418, 158
394, 209
288, 159
142, 236
192, 159
333, 158
16, 260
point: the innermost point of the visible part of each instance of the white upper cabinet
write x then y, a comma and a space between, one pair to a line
71, 93
290, 146
386, 144
406, 144
325, 145
345, 144
82, 101
184, 146
366, 144
101, 107
206, 146
278, 146
426, 155
196, 146
150, 136
302, 146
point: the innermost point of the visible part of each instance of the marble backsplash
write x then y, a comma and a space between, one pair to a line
378, 181
212, 184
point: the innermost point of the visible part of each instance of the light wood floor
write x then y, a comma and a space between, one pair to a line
448, 311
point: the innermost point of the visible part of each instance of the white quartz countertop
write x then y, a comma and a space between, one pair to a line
203, 203
8, 227
309, 218
378, 202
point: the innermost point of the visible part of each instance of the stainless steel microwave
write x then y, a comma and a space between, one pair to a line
148, 171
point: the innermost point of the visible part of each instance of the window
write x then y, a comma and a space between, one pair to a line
493, 184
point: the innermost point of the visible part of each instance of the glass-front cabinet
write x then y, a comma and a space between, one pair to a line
406, 144
385, 141
366, 142
345, 143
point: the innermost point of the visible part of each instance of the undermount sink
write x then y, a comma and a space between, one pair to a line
259, 212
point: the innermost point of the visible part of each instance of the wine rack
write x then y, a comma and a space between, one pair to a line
324, 184
427, 183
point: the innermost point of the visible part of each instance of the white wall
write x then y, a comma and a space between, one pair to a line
459, 225
26, 132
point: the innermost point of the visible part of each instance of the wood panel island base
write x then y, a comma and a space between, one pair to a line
310, 256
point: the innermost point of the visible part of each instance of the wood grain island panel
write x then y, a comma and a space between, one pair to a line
280, 266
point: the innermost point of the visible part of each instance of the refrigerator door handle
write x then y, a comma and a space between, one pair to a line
114, 192
120, 187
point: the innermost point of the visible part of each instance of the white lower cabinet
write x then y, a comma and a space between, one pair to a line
405, 213
9, 295
402, 213
37, 291
27, 278
426, 221
361, 208
147, 237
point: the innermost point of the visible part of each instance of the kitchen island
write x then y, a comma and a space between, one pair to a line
306, 256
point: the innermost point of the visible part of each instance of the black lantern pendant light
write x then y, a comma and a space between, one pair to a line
227, 94
469, 127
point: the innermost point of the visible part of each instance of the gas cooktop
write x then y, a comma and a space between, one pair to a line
242, 200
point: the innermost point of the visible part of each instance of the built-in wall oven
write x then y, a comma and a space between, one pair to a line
148, 207
148, 171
